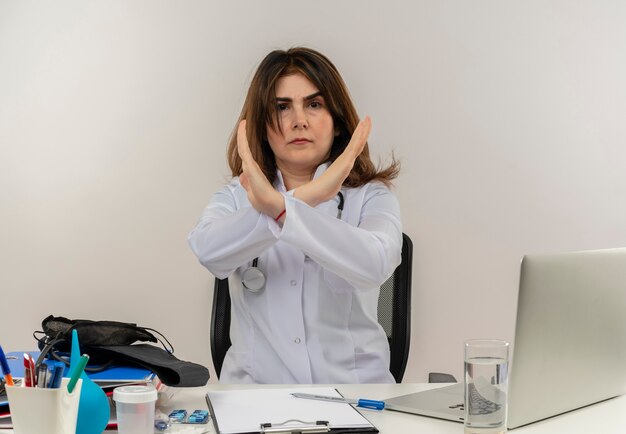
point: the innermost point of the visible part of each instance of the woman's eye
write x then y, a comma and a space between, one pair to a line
315, 104
281, 107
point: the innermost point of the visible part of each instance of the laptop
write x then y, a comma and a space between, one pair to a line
570, 340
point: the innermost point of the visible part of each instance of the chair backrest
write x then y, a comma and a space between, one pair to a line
394, 315
394, 310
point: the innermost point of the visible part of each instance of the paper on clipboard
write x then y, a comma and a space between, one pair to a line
243, 411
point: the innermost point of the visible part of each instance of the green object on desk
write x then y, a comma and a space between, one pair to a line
77, 372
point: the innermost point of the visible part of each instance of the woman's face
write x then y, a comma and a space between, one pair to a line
307, 126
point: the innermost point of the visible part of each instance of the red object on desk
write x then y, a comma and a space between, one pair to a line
29, 371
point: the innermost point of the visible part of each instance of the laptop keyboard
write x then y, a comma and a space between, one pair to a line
478, 403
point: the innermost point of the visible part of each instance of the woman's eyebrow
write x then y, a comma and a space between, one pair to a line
306, 98
312, 96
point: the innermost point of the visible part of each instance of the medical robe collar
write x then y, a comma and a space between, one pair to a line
280, 183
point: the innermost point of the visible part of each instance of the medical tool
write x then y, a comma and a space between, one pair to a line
253, 279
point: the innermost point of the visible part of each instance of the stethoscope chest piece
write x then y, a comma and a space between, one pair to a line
252, 278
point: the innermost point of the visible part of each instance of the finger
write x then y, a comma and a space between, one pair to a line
366, 127
362, 131
242, 142
359, 136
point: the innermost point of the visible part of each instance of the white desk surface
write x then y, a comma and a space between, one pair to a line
608, 417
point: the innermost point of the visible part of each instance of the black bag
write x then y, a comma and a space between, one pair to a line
93, 333
110, 343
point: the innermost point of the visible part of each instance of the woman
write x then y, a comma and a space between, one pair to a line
306, 231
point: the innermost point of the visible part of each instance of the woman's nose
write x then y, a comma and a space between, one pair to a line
299, 119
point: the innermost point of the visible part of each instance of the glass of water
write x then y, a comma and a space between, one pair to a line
486, 386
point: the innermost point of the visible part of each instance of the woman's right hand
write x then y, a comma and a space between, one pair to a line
329, 183
261, 194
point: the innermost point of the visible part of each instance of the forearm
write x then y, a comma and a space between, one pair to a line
310, 195
365, 256
226, 238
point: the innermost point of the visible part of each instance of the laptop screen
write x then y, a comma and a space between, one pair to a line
569, 349
570, 337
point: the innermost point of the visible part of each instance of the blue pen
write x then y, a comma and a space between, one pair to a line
56, 374
364, 403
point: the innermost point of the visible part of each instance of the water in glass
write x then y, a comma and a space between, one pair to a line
485, 395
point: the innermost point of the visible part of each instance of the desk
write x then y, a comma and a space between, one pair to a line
608, 417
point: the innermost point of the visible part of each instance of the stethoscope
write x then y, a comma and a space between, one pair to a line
253, 278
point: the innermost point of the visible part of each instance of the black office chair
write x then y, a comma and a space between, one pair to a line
394, 315
438, 377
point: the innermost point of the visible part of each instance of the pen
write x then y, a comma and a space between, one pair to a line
42, 376
5, 368
29, 371
78, 370
364, 403
56, 373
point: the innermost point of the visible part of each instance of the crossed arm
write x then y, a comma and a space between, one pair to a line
265, 199
363, 255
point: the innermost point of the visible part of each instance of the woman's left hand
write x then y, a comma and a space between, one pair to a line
329, 183
261, 194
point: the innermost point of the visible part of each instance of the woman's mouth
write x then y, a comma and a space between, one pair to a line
299, 141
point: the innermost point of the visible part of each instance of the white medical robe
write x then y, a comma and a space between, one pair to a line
316, 319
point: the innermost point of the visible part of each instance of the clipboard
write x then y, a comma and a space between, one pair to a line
269, 411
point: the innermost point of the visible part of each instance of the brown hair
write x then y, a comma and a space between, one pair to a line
259, 110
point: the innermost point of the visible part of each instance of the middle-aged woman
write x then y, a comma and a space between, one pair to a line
306, 231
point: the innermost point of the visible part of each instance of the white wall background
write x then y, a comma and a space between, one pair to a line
508, 118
